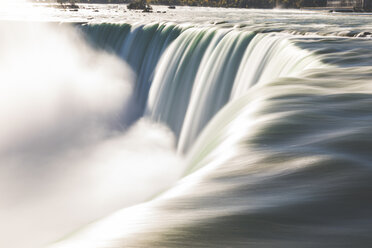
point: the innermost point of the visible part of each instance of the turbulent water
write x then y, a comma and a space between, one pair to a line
198, 127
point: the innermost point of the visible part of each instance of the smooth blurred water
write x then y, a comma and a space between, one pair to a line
270, 109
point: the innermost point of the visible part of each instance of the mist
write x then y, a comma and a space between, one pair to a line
68, 152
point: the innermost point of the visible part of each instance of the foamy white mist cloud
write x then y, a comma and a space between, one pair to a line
65, 157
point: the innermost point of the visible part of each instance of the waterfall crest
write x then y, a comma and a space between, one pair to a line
187, 74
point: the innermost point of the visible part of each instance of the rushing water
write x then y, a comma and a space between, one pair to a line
198, 127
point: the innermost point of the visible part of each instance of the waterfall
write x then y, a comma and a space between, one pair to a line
184, 127
187, 74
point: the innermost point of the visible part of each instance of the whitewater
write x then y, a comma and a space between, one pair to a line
186, 127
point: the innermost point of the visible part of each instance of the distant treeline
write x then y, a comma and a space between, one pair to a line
220, 3
246, 3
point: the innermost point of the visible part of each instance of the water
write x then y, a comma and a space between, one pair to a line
198, 127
